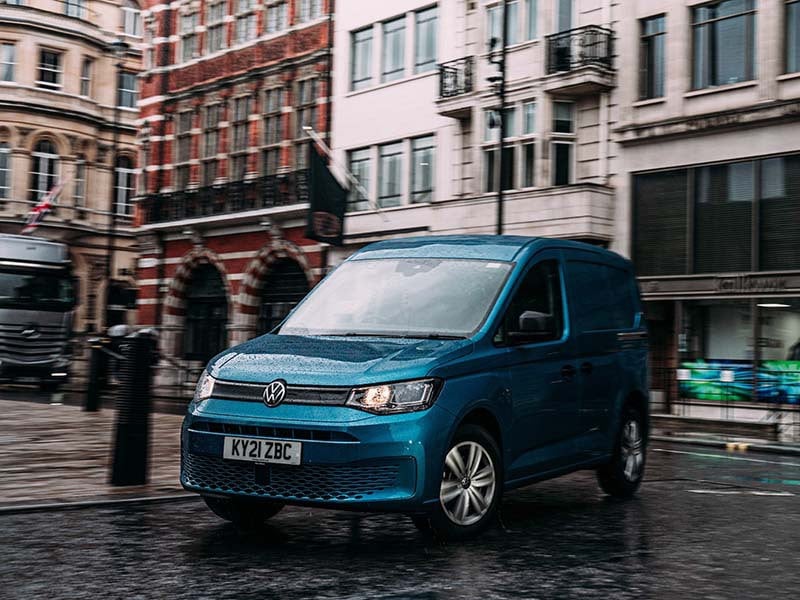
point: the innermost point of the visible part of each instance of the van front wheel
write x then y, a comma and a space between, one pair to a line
470, 487
622, 475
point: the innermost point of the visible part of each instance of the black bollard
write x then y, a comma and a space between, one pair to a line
131, 443
97, 365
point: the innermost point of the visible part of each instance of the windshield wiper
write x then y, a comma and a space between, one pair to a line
433, 336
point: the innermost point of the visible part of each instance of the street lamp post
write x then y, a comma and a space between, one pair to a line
498, 83
119, 49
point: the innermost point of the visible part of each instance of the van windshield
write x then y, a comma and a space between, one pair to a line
425, 298
36, 291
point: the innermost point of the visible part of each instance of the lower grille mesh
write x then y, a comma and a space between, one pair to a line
302, 482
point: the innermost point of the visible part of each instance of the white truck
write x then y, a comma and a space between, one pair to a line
37, 303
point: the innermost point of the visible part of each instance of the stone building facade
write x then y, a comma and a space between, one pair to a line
66, 102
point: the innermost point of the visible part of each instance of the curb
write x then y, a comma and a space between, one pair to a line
731, 446
87, 504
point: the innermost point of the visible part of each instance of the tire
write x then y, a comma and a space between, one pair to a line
623, 474
241, 512
480, 463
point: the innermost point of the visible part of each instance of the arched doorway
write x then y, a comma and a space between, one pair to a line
206, 314
283, 287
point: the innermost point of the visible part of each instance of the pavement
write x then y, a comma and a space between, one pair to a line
59, 454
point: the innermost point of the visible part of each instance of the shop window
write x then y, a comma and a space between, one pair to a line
206, 314
779, 215
284, 287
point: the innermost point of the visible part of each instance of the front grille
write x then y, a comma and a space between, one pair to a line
295, 394
316, 435
47, 344
285, 482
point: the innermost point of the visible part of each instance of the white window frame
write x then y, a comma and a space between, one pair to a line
58, 70
246, 21
430, 15
183, 149
308, 10
130, 95
87, 66
277, 17
274, 130
211, 118
131, 21
8, 61
564, 139
189, 38
366, 81
75, 8
216, 11
5, 171
361, 157
42, 175
123, 194
413, 166
390, 72
241, 106
79, 183
401, 193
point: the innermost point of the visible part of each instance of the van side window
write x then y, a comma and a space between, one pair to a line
602, 296
536, 312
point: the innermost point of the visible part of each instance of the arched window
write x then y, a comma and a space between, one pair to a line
283, 288
44, 169
5, 171
124, 186
206, 314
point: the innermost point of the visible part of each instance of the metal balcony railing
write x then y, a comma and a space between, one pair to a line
455, 77
589, 46
238, 196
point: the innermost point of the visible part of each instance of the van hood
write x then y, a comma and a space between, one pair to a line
334, 361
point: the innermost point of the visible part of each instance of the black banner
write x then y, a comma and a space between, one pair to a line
327, 202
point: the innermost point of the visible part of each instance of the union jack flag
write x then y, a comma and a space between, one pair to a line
39, 212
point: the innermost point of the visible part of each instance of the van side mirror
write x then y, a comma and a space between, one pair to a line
533, 326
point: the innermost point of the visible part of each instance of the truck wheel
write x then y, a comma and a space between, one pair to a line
622, 475
241, 512
470, 488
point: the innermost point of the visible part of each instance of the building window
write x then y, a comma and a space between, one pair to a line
245, 20
359, 164
277, 17
7, 62
563, 143
532, 22
422, 169
724, 43
306, 116
15, 2
44, 169
128, 94
189, 38
86, 77
183, 139
75, 8
241, 114
49, 70
309, 10
273, 130
361, 56
131, 19
394, 53
564, 15
528, 144
5, 171
79, 183
390, 175
215, 25
212, 116
124, 186
282, 289
652, 61
425, 51
793, 36
490, 152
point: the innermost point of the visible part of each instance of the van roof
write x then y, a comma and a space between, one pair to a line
486, 247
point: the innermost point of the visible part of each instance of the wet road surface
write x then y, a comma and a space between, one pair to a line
705, 525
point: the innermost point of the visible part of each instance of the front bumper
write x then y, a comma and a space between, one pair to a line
349, 458
56, 371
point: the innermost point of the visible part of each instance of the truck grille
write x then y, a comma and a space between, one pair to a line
319, 483
46, 344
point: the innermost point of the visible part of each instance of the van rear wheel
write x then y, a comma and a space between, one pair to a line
243, 512
622, 475
470, 488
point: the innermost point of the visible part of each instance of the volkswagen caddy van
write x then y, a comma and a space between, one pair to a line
428, 376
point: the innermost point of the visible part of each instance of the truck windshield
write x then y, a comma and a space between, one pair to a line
36, 291
425, 298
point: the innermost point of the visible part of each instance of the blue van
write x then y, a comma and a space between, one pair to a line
427, 376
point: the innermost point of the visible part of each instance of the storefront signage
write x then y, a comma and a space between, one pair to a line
749, 284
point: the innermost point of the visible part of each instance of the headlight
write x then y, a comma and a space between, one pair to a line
407, 396
205, 387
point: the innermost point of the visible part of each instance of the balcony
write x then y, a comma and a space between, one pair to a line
286, 194
580, 61
456, 86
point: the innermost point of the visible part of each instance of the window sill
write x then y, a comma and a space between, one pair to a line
387, 84
649, 102
372, 211
721, 88
789, 76
515, 47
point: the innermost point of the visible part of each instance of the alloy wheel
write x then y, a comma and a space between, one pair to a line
468, 483
632, 450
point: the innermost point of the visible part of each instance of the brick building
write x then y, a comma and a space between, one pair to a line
227, 89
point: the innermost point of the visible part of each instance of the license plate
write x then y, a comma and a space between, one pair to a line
262, 451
